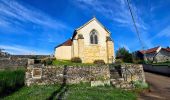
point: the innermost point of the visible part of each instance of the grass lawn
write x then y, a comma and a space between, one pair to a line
74, 92
85, 92
11, 80
162, 64
68, 62
33, 93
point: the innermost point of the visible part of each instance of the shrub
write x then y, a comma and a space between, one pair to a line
119, 61
140, 85
99, 62
76, 60
47, 61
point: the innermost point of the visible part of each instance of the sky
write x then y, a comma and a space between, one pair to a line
37, 26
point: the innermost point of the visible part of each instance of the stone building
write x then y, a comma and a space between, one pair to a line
89, 42
157, 54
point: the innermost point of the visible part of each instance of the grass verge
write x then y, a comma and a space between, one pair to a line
33, 93
85, 92
11, 80
74, 92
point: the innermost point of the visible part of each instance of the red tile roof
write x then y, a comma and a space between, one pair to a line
167, 49
66, 43
152, 50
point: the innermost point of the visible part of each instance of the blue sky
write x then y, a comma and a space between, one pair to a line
37, 26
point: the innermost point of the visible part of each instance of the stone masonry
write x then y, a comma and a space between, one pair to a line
121, 76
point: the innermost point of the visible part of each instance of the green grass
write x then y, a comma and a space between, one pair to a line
33, 93
11, 80
74, 92
68, 62
162, 64
85, 92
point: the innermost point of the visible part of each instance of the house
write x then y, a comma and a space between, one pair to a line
156, 54
89, 42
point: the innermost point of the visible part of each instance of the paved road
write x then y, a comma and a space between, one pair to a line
159, 87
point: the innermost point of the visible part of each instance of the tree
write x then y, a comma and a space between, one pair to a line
123, 53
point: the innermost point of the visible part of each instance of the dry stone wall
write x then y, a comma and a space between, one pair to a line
121, 76
13, 62
68, 74
124, 75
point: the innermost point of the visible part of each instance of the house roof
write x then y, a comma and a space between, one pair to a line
66, 43
167, 49
94, 18
152, 50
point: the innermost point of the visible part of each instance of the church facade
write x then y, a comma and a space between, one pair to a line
89, 42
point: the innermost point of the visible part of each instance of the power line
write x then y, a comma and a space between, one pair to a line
134, 23
137, 31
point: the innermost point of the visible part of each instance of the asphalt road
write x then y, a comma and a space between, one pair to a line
159, 87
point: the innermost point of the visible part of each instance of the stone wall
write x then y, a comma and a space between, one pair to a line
65, 74
124, 75
121, 76
13, 62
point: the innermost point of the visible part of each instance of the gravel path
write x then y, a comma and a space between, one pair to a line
159, 87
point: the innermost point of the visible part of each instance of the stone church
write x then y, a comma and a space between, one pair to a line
89, 42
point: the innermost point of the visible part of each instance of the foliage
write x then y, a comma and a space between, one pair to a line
47, 61
124, 54
119, 61
11, 80
140, 85
33, 93
76, 60
99, 62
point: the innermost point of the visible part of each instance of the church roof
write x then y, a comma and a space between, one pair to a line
94, 18
66, 43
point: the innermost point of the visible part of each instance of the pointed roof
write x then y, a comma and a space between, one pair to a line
94, 18
152, 50
66, 43
167, 49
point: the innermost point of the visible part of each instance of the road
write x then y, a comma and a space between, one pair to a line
159, 87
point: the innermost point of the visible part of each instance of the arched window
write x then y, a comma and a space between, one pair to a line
93, 37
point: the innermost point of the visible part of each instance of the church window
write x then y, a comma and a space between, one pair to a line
93, 37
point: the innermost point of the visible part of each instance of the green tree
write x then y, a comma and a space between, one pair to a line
124, 54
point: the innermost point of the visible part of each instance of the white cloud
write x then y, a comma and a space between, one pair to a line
165, 32
14, 12
117, 11
18, 49
20, 18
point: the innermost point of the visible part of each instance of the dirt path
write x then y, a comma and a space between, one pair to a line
159, 87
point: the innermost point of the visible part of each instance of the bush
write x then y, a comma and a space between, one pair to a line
47, 61
119, 61
124, 54
140, 85
99, 62
11, 80
76, 60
